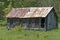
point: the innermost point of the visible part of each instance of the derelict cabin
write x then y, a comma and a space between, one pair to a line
37, 18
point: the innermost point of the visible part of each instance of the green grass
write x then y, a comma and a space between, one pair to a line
15, 34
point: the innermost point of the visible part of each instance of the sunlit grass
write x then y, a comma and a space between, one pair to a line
16, 34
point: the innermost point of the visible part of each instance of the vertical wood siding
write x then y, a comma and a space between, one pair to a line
51, 21
28, 23
32, 23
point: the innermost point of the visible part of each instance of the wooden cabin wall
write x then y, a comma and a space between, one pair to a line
32, 23
51, 21
27, 23
24, 23
9, 22
12, 22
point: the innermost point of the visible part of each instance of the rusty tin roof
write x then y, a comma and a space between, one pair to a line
30, 12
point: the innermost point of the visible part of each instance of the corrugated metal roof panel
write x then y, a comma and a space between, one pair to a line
29, 12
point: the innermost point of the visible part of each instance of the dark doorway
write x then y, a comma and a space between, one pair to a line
42, 22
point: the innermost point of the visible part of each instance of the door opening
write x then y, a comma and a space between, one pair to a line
42, 22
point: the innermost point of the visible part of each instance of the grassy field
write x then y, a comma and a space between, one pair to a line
16, 34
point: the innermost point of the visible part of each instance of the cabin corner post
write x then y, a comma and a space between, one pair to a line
46, 24
8, 24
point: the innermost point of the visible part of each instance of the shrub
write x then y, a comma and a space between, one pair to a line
18, 28
3, 23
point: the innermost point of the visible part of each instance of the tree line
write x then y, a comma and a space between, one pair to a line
7, 5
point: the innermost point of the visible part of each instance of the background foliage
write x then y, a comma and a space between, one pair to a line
7, 5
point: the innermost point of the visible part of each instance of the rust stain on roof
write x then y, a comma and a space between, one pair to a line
29, 12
